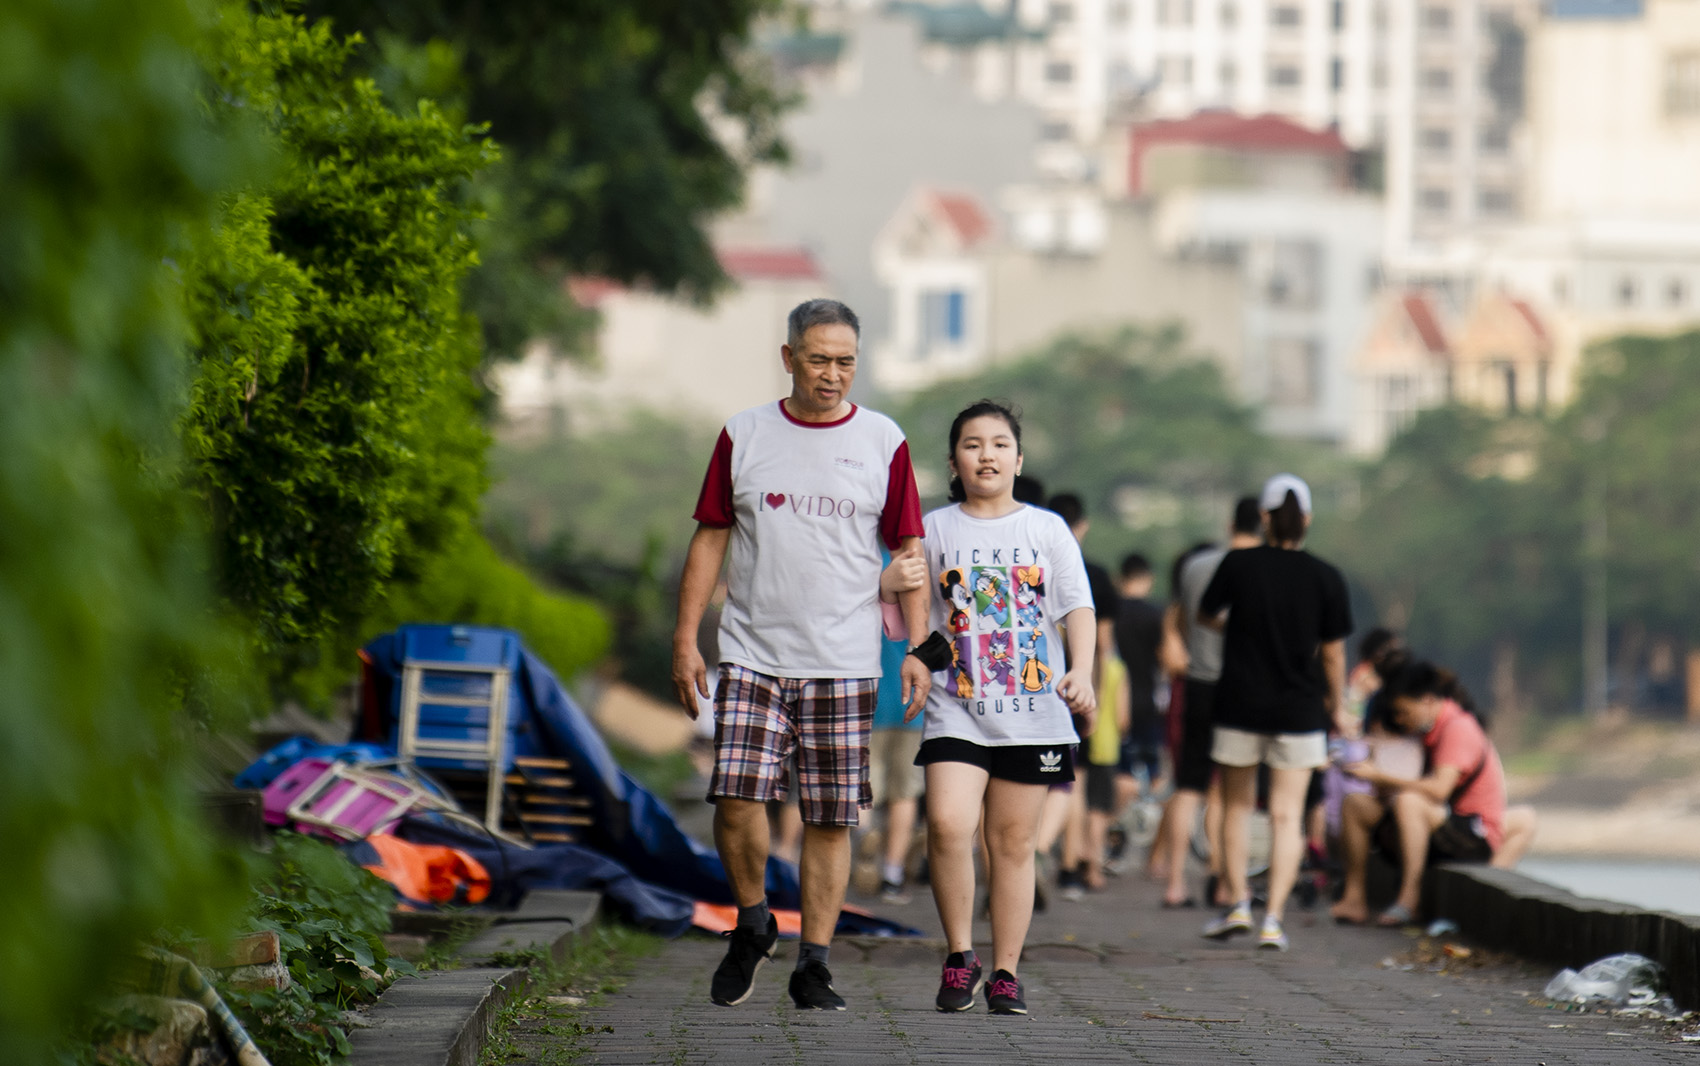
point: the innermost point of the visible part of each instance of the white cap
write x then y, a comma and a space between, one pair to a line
1276, 488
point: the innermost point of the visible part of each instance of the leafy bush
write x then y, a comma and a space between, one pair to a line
330, 916
333, 420
105, 162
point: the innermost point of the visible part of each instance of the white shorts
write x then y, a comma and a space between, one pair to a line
1279, 751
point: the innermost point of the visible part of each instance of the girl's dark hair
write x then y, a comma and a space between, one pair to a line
1376, 645
975, 410
1415, 678
1287, 522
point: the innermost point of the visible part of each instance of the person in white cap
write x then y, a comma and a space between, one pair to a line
1285, 619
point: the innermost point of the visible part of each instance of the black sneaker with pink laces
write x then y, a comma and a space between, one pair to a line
960, 983
1003, 994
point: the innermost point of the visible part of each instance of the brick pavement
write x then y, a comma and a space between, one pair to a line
1112, 979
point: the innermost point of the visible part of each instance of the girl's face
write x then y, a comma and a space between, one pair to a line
986, 458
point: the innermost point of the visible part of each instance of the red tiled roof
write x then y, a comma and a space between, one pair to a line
1421, 314
589, 291
1535, 325
964, 215
769, 264
1228, 129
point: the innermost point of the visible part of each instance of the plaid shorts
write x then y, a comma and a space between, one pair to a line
760, 720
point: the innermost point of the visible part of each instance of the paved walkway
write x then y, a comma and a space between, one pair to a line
1113, 979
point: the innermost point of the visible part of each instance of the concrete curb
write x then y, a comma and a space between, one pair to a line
443, 1018
1505, 910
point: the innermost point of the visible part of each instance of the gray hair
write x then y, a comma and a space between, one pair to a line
811, 313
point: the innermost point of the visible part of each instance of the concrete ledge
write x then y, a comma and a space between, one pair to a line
1505, 910
438, 1019
443, 1018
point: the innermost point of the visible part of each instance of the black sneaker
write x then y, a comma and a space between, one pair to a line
1003, 994
736, 976
960, 983
811, 988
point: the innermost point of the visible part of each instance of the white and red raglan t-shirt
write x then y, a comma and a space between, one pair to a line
808, 504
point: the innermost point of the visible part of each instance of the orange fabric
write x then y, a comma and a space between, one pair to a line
722, 917
429, 873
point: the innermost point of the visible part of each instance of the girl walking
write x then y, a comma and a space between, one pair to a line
1283, 671
998, 728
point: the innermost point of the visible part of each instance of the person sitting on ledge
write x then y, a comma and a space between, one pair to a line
1455, 812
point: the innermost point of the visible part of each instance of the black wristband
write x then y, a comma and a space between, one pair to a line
934, 652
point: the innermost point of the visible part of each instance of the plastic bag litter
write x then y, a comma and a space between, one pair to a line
1616, 981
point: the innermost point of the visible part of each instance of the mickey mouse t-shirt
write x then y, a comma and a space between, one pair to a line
1001, 585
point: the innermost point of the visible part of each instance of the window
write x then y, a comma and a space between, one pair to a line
1054, 131
1435, 201
1378, 75
1293, 371
1062, 11
1176, 70
1119, 13
1338, 16
1295, 275
1286, 16
1495, 201
1561, 290
943, 321
1626, 291
1437, 81
1682, 85
1437, 21
1230, 16
1495, 139
1336, 74
1284, 76
1174, 12
1229, 73
1675, 292
1509, 372
1060, 72
1436, 141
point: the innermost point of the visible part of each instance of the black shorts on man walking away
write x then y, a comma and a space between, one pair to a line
1023, 764
1192, 759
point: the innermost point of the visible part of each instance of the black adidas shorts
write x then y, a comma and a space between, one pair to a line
1024, 764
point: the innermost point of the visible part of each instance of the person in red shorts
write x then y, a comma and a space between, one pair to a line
1455, 812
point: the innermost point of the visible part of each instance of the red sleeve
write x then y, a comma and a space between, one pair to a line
901, 516
1461, 745
714, 503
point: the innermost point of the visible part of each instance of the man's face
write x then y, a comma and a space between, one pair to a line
822, 369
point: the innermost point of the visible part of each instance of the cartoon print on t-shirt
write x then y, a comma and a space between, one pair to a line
953, 589
961, 676
991, 594
997, 664
1035, 664
1029, 584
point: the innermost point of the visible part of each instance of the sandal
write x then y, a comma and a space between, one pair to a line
1396, 916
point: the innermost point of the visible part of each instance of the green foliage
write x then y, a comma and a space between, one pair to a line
332, 422
1143, 429
330, 916
609, 114
105, 161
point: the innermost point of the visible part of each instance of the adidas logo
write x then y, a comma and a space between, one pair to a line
1050, 762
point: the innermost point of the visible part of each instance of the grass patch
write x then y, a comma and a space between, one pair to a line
542, 1033
661, 774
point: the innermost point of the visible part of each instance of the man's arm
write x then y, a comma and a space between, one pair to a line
702, 569
917, 679
1334, 669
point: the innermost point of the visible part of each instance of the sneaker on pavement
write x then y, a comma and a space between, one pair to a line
1272, 936
745, 953
891, 892
1233, 922
1003, 994
960, 983
811, 988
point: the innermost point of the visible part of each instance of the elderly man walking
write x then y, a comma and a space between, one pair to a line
803, 491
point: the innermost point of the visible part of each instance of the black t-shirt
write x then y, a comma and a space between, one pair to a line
1104, 595
1139, 635
1282, 606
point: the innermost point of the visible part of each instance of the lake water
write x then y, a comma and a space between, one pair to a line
1653, 884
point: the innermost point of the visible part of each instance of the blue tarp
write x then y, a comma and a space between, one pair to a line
629, 824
